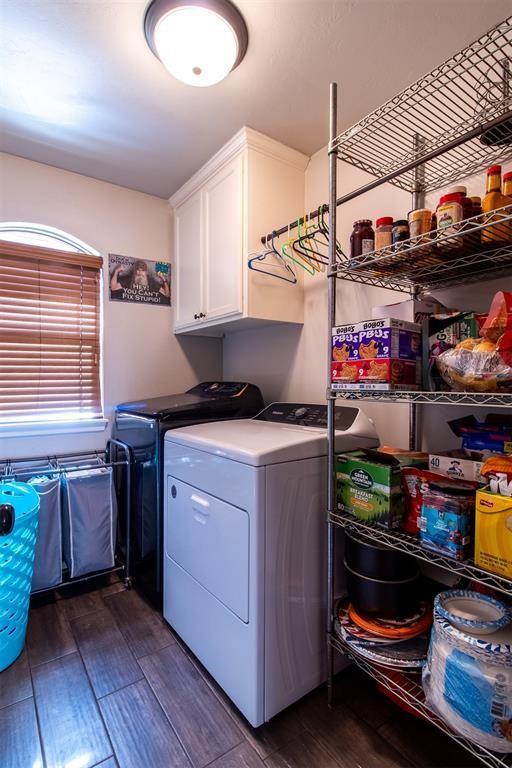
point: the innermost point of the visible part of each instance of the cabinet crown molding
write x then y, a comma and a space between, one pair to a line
246, 138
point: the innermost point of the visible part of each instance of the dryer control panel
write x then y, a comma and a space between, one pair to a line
307, 415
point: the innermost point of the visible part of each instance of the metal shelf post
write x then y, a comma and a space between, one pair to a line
331, 319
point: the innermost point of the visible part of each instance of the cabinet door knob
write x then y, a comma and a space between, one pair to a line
201, 314
196, 316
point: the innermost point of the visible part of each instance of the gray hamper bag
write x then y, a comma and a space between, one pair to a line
48, 557
89, 520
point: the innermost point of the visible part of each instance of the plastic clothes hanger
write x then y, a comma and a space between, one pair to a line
287, 251
309, 253
275, 267
308, 245
324, 229
311, 231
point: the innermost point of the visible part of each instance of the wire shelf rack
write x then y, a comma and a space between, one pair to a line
407, 689
405, 542
479, 248
461, 109
478, 399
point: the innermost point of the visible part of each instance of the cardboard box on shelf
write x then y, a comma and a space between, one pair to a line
368, 486
413, 310
388, 338
493, 532
344, 343
344, 375
456, 464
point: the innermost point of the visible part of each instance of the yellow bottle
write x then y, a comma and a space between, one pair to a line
507, 194
493, 199
507, 187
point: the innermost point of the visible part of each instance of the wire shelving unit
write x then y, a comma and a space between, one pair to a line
450, 124
479, 399
407, 688
409, 544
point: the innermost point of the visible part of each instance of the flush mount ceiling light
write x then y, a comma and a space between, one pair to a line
198, 41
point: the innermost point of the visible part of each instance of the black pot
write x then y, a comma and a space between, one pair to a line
382, 598
377, 561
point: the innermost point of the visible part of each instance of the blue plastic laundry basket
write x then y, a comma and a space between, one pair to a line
19, 507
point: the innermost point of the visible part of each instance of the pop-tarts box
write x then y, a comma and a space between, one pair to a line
388, 338
344, 343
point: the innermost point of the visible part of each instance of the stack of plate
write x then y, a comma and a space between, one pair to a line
390, 643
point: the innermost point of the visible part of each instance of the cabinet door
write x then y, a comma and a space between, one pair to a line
188, 261
223, 241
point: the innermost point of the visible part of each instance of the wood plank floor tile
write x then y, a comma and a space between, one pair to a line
348, 738
141, 734
109, 662
142, 626
49, 634
19, 737
204, 727
424, 745
116, 585
269, 737
78, 605
72, 731
15, 683
359, 692
304, 752
242, 756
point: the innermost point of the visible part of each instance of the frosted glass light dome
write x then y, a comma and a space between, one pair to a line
198, 41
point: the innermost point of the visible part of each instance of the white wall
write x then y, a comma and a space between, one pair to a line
289, 363
141, 355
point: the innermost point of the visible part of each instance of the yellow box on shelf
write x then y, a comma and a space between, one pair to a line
493, 532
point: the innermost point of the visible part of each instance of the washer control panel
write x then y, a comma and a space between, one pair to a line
307, 415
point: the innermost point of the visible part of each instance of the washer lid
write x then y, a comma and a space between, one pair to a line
259, 443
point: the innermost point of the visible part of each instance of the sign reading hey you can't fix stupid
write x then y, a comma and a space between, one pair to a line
138, 280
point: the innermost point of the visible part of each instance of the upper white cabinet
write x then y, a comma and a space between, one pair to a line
223, 241
251, 185
188, 260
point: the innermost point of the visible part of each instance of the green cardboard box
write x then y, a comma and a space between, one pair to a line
368, 486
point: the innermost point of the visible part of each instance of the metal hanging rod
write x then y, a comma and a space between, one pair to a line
419, 160
56, 465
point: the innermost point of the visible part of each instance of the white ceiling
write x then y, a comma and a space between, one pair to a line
81, 90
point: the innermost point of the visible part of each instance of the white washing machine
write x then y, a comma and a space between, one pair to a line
245, 548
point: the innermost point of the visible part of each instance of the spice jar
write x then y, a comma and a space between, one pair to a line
362, 239
400, 232
383, 232
449, 216
420, 222
467, 206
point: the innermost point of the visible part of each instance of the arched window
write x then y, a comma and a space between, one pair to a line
45, 237
50, 320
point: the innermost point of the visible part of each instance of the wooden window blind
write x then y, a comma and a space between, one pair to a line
49, 334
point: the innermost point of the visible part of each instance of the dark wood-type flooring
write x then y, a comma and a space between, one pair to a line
104, 682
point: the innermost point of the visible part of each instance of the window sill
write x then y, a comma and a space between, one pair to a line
53, 428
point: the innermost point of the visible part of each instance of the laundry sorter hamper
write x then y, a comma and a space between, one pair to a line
19, 508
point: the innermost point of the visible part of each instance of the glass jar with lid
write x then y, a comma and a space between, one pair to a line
362, 239
383, 232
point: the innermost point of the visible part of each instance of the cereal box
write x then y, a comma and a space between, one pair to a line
388, 338
493, 533
344, 343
